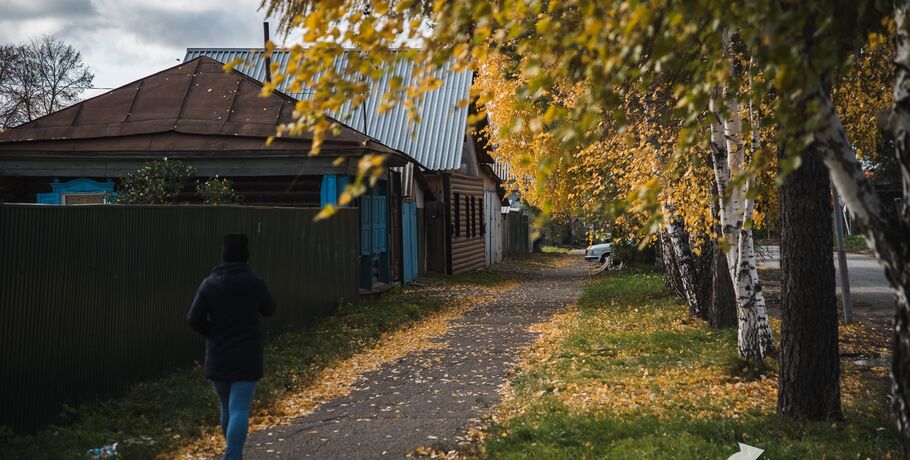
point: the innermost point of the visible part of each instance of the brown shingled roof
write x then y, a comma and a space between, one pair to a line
196, 97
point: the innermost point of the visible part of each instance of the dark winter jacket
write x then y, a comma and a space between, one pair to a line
226, 311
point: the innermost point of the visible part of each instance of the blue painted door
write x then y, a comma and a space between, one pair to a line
409, 240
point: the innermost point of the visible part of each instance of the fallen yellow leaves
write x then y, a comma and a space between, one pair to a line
551, 333
700, 389
340, 379
704, 393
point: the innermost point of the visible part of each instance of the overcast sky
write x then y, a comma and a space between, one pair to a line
124, 40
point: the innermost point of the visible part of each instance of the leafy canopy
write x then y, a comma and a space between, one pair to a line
598, 106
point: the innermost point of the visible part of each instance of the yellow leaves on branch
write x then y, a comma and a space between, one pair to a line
624, 176
585, 111
864, 91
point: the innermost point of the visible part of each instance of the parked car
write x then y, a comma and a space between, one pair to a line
598, 252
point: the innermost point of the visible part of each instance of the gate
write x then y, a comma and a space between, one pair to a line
409, 240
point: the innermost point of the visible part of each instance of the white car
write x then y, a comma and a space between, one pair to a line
598, 252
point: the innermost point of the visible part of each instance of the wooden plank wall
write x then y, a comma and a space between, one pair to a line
468, 247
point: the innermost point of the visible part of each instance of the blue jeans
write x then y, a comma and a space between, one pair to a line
235, 413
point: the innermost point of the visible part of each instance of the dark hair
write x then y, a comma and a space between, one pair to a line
235, 248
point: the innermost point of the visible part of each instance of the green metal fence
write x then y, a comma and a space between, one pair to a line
93, 298
519, 229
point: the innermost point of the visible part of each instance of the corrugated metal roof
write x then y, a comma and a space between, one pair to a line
503, 170
195, 97
436, 143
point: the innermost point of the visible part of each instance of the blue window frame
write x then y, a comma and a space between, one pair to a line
332, 188
81, 186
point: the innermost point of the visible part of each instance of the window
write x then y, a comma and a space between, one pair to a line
467, 220
457, 203
483, 221
83, 198
473, 218
78, 191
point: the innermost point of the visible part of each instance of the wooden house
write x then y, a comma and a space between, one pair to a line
215, 121
451, 198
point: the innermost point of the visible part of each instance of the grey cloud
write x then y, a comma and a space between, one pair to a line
122, 40
188, 29
17, 10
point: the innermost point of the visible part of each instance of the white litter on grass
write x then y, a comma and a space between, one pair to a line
108, 451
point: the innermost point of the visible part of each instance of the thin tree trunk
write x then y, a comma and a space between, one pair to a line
671, 269
723, 300
722, 308
659, 264
685, 266
704, 268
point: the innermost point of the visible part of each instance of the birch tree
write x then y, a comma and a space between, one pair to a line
754, 337
887, 236
616, 48
753, 333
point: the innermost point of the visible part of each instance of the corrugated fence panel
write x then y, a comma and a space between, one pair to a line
94, 298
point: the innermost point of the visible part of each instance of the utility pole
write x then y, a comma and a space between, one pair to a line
842, 258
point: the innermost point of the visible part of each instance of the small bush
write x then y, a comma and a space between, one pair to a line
218, 191
156, 182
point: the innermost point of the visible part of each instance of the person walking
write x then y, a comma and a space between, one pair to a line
226, 312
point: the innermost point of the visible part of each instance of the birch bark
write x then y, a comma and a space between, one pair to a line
685, 265
754, 336
887, 236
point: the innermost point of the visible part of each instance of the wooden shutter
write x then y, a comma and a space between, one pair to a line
329, 192
379, 224
366, 219
457, 204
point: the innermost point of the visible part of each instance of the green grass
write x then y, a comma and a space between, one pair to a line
635, 343
556, 249
158, 416
853, 243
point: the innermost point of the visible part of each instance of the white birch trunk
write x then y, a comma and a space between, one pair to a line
733, 133
754, 337
722, 176
685, 264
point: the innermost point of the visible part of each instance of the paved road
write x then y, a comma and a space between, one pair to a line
428, 399
872, 296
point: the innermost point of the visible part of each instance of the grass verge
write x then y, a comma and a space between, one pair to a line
633, 376
854, 243
155, 419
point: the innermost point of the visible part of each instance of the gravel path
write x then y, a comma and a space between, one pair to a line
429, 398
